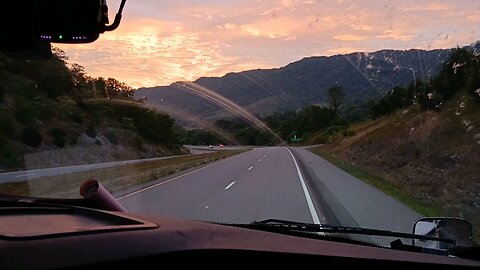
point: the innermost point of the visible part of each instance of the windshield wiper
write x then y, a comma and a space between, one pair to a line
279, 225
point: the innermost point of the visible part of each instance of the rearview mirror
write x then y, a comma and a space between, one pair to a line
456, 229
31, 25
68, 21
72, 21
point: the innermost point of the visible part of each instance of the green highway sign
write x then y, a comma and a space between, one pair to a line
295, 139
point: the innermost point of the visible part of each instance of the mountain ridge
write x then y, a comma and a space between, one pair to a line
363, 75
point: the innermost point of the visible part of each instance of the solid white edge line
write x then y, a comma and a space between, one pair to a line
164, 182
230, 185
311, 207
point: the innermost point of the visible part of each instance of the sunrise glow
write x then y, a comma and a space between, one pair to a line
160, 42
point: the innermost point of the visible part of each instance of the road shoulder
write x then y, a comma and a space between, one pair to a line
348, 201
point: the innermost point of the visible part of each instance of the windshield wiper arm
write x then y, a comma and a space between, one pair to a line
269, 224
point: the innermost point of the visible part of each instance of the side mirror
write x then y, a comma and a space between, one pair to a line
456, 229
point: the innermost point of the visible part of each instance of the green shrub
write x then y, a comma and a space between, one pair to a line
91, 132
59, 137
348, 133
3, 141
112, 137
8, 158
31, 137
332, 130
73, 138
26, 112
2, 92
77, 118
7, 126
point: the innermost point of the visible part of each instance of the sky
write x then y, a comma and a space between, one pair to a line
161, 42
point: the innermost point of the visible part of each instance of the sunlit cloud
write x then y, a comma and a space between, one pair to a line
149, 55
396, 35
160, 42
427, 7
344, 50
348, 37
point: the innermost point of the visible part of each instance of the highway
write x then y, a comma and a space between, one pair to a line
277, 182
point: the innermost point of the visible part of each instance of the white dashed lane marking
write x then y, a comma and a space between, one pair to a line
229, 185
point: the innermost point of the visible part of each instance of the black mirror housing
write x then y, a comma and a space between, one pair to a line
68, 21
27, 27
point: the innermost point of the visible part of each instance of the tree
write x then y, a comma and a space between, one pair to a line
100, 87
78, 75
59, 54
336, 96
116, 88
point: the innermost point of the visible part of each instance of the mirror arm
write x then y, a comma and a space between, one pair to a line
118, 18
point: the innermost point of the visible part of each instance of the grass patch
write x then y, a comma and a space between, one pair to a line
388, 188
115, 179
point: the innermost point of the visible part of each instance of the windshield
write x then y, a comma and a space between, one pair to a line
353, 113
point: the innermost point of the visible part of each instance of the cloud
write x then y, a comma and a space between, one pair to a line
396, 35
426, 7
150, 56
160, 42
344, 50
349, 37
284, 28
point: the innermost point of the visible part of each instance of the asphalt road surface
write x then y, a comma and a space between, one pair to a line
278, 182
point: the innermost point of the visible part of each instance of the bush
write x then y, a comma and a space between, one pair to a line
59, 141
8, 158
73, 138
112, 137
2, 92
3, 141
31, 137
26, 112
7, 126
77, 118
59, 137
91, 132
348, 133
332, 130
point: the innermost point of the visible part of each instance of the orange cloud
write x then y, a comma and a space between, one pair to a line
162, 42
153, 54
344, 50
427, 7
348, 37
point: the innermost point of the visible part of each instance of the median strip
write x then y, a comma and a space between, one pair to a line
115, 179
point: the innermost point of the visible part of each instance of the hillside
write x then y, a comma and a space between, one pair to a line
428, 153
264, 92
53, 115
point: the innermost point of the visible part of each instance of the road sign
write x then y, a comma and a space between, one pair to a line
295, 139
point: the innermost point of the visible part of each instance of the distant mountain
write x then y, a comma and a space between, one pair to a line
265, 91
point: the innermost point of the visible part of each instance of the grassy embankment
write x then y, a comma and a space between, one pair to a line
427, 160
